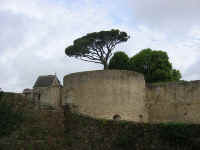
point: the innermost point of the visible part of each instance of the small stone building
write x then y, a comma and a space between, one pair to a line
47, 91
28, 93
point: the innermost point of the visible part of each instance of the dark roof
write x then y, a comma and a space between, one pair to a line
45, 81
27, 91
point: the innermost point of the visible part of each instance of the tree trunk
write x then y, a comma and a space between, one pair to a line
105, 66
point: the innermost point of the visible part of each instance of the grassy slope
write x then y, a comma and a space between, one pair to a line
51, 130
85, 133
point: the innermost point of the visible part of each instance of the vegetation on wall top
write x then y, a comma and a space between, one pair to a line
120, 60
153, 64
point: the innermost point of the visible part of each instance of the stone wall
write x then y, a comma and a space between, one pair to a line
29, 96
174, 102
120, 94
49, 96
106, 93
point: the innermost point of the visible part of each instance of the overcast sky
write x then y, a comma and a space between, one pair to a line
34, 34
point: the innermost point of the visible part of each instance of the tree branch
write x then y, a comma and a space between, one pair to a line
91, 57
91, 61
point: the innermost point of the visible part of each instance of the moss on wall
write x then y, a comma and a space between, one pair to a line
50, 130
85, 133
38, 130
11, 112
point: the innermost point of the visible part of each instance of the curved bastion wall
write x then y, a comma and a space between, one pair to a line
107, 94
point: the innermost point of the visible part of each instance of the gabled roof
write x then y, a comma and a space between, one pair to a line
45, 81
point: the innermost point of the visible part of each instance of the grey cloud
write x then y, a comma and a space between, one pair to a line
33, 37
12, 30
32, 46
176, 16
193, 72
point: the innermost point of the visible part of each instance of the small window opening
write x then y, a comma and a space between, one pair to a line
140, 116
117, 117
39, 96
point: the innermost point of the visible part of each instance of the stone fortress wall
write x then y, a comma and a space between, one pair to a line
103, 94
107, 94
123, 94
173, 102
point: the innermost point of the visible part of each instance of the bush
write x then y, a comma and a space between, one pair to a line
120, 60
10, 116
1, 94
180, 134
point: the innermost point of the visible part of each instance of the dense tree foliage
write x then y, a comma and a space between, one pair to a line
154, 65
176, 75
96, 47
120, 60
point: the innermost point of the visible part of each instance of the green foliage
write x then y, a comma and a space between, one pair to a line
179, 134
120, 60
176, 75
96, 47
10, 117
129, 137
118, 135
1, 95
154, 65
44, 130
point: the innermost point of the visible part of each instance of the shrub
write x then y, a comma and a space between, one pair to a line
10, 116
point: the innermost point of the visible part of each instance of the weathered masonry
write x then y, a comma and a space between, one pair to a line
121, 94
174, 102
46, 91
106, 94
